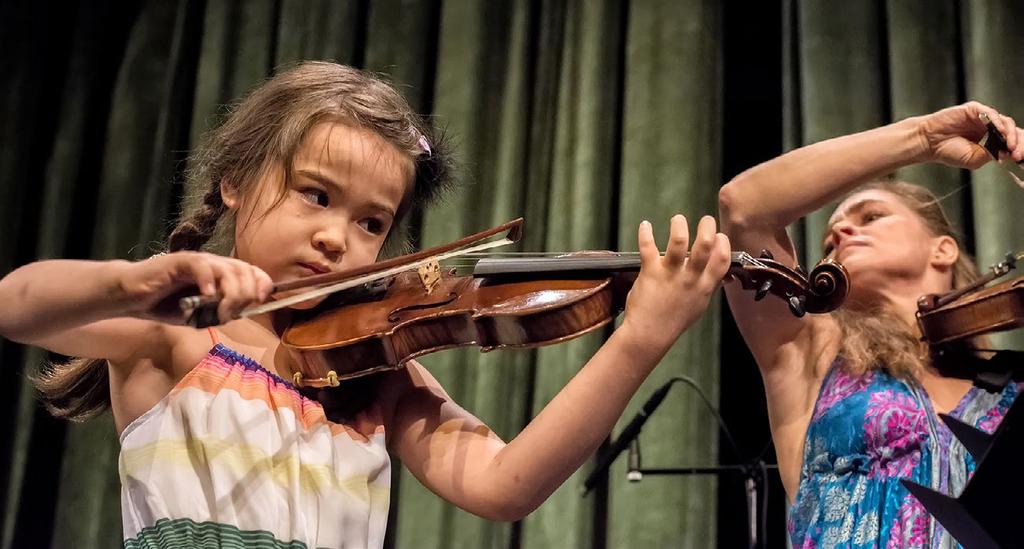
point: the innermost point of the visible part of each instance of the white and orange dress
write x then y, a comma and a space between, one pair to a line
235, 456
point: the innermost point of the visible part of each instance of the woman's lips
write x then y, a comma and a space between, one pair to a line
843, 246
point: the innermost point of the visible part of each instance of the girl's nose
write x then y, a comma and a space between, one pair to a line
330, 241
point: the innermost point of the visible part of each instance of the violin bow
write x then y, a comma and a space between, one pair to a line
995, 143
328, 283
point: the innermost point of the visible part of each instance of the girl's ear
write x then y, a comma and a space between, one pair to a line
228, 194
945, 251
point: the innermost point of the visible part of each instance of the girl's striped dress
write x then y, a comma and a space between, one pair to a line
234, 456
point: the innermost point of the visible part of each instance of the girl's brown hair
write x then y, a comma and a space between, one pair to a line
263, 132
877, 338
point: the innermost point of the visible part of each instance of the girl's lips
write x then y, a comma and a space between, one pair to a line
314, 269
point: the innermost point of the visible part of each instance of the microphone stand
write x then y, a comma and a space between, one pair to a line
755, 472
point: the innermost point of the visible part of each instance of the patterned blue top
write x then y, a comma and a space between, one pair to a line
868, 432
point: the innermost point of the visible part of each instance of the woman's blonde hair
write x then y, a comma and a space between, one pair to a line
262, 132
877, 338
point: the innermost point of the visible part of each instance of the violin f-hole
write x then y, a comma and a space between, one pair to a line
395, 315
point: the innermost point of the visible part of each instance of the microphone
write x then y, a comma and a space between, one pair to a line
751, 492
633, 473
628, 434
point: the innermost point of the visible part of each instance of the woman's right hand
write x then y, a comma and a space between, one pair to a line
152, 287
951, 136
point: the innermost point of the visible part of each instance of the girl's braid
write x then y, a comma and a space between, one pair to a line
192, 232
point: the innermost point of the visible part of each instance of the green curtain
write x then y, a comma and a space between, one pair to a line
583, 116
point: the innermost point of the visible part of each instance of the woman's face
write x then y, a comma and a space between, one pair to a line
884, 245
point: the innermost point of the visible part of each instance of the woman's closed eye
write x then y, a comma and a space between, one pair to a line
871, 215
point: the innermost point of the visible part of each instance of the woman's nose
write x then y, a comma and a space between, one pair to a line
842, 228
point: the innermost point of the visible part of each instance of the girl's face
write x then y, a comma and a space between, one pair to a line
346, 188
885, 246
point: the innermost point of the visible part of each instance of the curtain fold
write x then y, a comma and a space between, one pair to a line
995, 78
926, 74
843, 80
579, 216
585, 117
482, 96
131, 204
671, 162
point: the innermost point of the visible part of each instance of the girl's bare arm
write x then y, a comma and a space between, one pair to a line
458, 457
109, 309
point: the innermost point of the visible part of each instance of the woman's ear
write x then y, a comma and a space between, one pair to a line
945, 251
228, 194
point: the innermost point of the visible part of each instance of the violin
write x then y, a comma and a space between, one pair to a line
380, 316
974, 310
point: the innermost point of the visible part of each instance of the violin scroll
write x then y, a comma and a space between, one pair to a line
821, 291
829, 283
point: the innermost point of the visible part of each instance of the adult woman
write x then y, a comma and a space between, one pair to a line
852, 397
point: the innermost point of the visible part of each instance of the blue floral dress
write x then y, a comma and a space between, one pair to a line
867, 432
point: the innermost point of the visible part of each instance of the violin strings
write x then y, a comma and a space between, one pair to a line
941, 199
467, 260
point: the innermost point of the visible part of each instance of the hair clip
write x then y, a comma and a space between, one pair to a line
995, 144
424, 145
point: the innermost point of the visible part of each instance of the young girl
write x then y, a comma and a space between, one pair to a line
316, 168
852, 398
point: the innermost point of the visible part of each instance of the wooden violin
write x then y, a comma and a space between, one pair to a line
380, 316
974, 310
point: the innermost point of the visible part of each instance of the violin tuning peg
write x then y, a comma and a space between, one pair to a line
766, 254
796, 306
801, 271
763, 290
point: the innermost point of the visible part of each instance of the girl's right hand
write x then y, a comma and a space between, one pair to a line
951, 136
152, 287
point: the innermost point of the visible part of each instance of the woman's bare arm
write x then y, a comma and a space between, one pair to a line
758, 205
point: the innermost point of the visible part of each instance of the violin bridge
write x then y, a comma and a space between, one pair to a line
330, 381
430, 275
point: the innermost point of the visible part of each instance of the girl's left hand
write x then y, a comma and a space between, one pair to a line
672, 291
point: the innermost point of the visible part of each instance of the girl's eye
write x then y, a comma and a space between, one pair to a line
372, 225
314, 196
